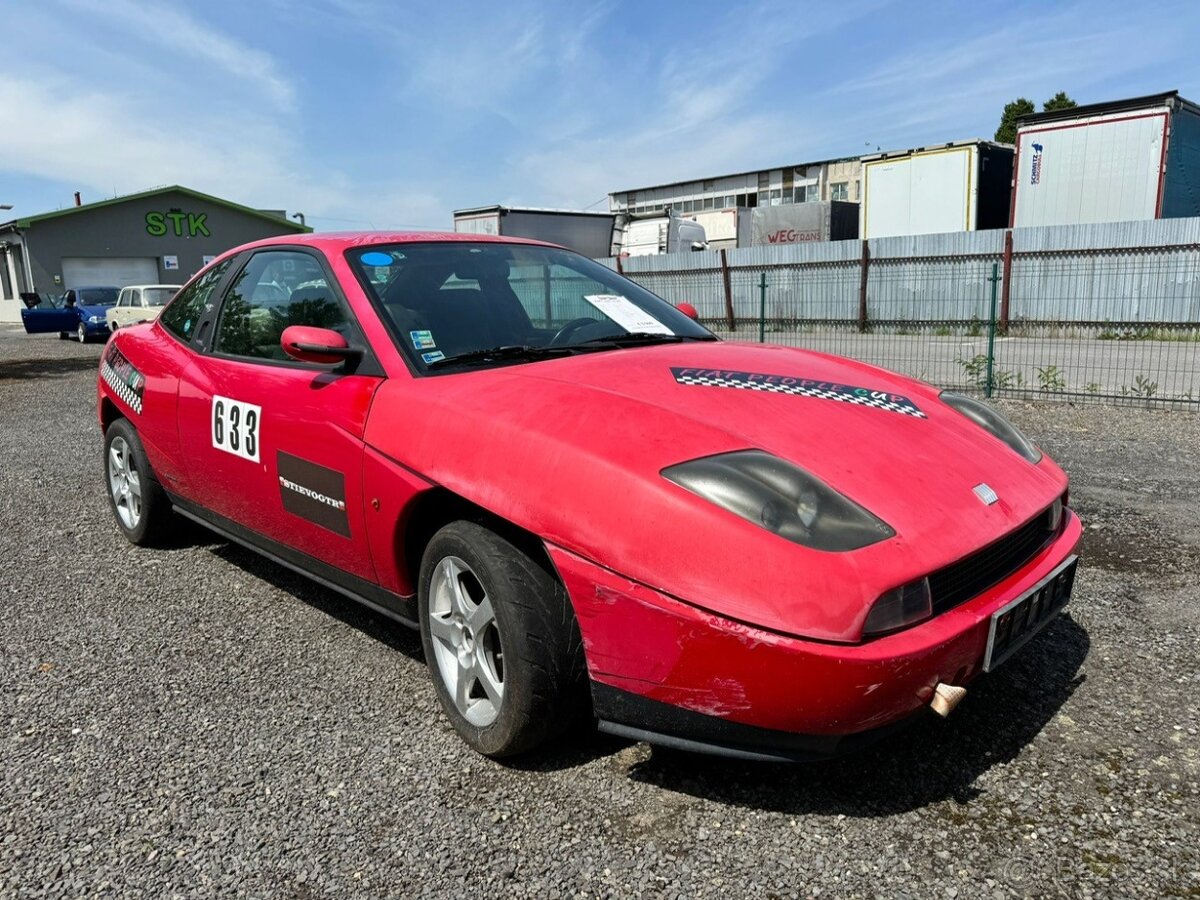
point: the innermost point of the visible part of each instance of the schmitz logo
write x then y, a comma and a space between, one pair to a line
1035, 165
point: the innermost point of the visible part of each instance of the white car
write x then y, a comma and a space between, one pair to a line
139, 303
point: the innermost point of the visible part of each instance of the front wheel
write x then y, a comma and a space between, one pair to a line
81, 333
139, 504
501, 641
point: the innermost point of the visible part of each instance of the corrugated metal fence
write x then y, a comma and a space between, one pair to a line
1108, 312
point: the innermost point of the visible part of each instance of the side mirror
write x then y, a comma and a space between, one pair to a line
688, 310
316, 345
699, 245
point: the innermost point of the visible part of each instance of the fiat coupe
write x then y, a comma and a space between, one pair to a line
591, 507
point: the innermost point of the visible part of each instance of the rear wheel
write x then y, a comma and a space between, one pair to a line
138, 502
63, 335
501, 641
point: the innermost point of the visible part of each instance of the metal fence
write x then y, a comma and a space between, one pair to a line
1100, 312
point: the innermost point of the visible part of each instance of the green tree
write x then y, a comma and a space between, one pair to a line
1007, 132
1059, 101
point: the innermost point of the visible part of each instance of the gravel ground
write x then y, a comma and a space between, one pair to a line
197, 721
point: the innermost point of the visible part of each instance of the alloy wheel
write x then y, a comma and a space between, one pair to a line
124, 483
466, 641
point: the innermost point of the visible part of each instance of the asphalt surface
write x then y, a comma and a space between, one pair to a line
199, 722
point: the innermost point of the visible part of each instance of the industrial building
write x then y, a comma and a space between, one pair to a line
163, 236
830, 179
1108, 162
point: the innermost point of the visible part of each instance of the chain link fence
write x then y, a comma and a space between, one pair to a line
1027, 313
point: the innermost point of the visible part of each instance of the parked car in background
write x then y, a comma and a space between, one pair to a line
80, 311
139, 303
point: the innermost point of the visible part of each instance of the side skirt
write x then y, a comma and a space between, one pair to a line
394, 606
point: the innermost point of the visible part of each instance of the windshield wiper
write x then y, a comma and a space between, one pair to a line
644, 337
510, 351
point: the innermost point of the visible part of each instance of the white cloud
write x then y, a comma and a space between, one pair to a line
166, 29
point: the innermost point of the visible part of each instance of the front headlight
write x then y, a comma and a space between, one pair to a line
782, 498
899, 608
95, 320
987, 418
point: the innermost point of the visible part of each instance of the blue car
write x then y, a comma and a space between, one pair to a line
79, 312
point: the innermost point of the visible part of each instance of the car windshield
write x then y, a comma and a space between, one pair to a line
98, 296
158, 296
459, 304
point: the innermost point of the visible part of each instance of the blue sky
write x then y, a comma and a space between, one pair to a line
390, 115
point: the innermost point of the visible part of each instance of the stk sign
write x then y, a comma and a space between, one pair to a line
180, 224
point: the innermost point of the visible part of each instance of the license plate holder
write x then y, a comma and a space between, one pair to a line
1014, 624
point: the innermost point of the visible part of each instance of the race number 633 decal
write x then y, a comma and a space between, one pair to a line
235, 427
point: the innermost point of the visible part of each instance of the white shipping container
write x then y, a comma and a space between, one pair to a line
1105, 168
928, 192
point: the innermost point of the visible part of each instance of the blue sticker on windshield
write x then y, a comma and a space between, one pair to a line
422, 340
376, 258
433, 357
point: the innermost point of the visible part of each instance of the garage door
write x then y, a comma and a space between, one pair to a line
117, 271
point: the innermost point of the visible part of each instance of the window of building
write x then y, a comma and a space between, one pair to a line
839, 190
708, 202
764, 181
806, 193
776, 197
709, 185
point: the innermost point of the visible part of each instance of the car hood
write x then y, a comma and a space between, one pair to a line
93, 310
572, 450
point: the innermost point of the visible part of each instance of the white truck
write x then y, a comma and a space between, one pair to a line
1108, 162
653, 233
961, 186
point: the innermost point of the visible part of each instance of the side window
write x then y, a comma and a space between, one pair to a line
123, 299
277, 288
184, 312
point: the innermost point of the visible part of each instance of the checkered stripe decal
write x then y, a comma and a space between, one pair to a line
126, 381
801, 387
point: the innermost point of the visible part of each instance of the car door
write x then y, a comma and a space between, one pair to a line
276, 445
118, 316
44, 319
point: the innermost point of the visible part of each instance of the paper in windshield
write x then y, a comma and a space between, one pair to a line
627, 314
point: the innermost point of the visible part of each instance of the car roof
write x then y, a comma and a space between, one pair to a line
336, 241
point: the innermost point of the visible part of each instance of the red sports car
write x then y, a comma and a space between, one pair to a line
589, 505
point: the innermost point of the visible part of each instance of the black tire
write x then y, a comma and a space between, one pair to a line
157, 523
545, 687
63, 335
81, 334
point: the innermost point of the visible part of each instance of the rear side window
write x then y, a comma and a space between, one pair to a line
182, 315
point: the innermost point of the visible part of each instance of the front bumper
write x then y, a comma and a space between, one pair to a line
664, 670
